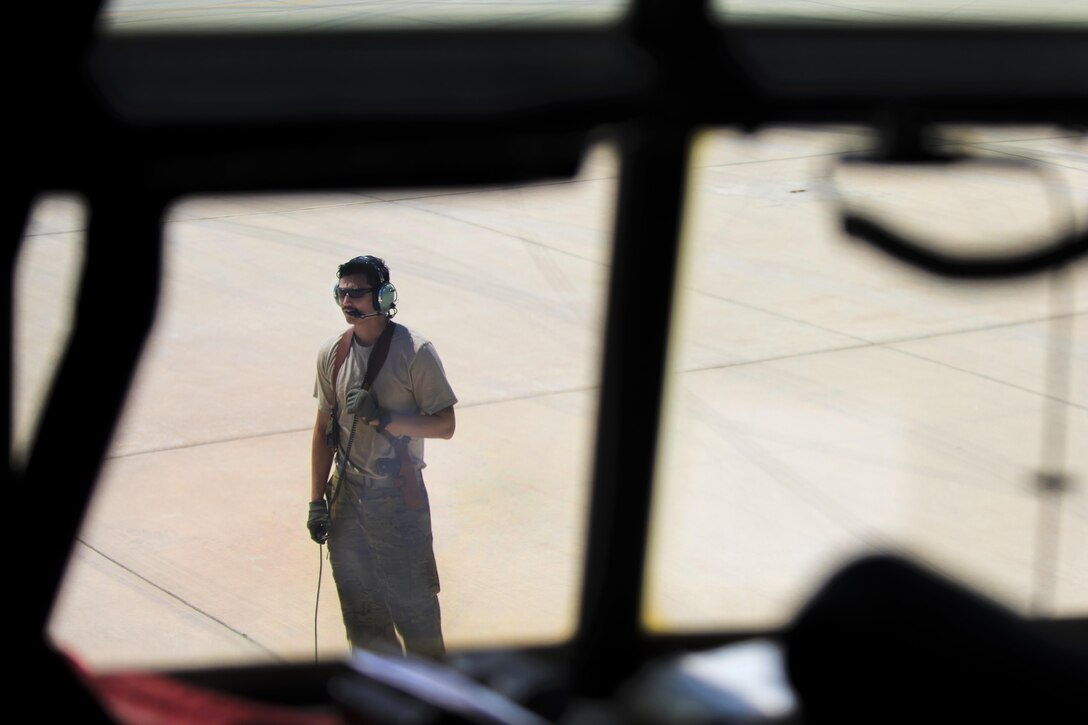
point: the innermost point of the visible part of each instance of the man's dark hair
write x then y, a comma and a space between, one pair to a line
377, 274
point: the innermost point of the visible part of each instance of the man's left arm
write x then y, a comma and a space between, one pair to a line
440, 425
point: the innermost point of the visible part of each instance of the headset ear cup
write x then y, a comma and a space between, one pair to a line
385, 298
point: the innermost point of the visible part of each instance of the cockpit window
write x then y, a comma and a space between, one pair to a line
136, 16
826, 401
197, 537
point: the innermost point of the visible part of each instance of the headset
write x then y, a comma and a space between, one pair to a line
384, 294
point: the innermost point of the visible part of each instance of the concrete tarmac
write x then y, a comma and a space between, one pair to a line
823, 401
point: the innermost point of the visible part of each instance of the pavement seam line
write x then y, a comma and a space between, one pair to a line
188, 604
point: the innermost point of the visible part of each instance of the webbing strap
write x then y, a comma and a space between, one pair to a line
374, 366
342, 353
377, 355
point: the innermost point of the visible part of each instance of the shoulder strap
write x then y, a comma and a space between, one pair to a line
342, 352
377, 355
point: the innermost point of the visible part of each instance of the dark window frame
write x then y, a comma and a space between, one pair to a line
132, 122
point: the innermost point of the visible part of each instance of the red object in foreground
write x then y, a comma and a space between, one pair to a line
150, 699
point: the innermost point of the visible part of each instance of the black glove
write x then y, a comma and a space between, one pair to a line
318, 523
363, 404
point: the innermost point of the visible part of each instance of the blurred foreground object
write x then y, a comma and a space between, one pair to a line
887, 641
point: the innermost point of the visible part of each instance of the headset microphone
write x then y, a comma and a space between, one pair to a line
363, 316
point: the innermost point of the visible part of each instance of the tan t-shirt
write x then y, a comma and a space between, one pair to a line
412, 380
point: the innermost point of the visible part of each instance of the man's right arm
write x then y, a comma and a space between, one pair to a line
320, 457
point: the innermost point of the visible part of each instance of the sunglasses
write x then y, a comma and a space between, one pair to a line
353, 293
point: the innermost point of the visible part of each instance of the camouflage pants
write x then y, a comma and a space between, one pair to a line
383, 564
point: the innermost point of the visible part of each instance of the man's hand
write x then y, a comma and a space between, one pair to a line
363, 404
318, 523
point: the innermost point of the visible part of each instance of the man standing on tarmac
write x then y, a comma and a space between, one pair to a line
380, 391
